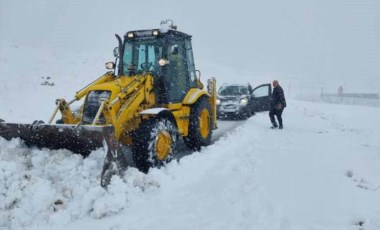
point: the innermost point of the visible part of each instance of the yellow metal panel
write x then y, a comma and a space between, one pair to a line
193, 95
175, 106
182, 119
211, 86
105, 78
128, 118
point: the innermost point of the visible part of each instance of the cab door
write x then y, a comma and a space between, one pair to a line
261, 98
177, 75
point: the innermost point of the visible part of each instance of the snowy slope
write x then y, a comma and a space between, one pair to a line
23, 70
321, 172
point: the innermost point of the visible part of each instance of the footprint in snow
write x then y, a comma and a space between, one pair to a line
361, 182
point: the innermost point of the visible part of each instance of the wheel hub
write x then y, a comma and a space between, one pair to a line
163, 145
204, 123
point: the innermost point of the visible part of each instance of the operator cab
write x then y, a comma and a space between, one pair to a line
166, 54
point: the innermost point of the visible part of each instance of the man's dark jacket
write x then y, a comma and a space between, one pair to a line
278, 97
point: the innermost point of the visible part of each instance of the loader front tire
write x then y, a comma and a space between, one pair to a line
200, 126
154, 142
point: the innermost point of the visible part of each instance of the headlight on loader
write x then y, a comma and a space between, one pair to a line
130, 35
155, 32
110, 65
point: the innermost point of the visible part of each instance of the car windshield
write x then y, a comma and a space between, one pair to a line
233, 90
142, 55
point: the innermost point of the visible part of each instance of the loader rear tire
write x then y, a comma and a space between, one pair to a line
154, 142
200, 126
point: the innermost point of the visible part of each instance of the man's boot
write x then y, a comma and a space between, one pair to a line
274, 125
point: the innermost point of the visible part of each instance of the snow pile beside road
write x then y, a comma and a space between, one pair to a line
38, 183
56, 187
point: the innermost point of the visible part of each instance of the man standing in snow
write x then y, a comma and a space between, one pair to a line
278, 104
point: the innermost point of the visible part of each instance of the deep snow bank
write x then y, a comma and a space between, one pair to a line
57, 187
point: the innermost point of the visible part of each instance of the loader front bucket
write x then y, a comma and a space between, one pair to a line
78, 139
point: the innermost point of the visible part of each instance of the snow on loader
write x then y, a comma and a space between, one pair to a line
151, 96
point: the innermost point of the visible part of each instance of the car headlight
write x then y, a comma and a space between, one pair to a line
244, 101
217, 101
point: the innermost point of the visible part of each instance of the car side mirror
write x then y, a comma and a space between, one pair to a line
116, 53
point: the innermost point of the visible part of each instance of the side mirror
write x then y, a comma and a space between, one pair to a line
198, 74
116, 53
199, 83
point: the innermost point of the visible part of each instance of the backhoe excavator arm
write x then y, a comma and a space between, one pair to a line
136, 97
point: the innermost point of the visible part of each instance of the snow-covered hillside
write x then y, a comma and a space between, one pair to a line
321, 172
27, 76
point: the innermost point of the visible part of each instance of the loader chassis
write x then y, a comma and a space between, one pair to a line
152, 99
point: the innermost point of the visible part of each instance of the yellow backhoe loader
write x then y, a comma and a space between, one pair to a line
137, 111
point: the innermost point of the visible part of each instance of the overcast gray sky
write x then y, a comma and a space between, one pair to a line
315, 39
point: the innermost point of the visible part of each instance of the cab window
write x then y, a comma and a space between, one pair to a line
142, 55
177, 75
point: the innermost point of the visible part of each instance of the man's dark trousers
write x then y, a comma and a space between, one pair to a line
276, 112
